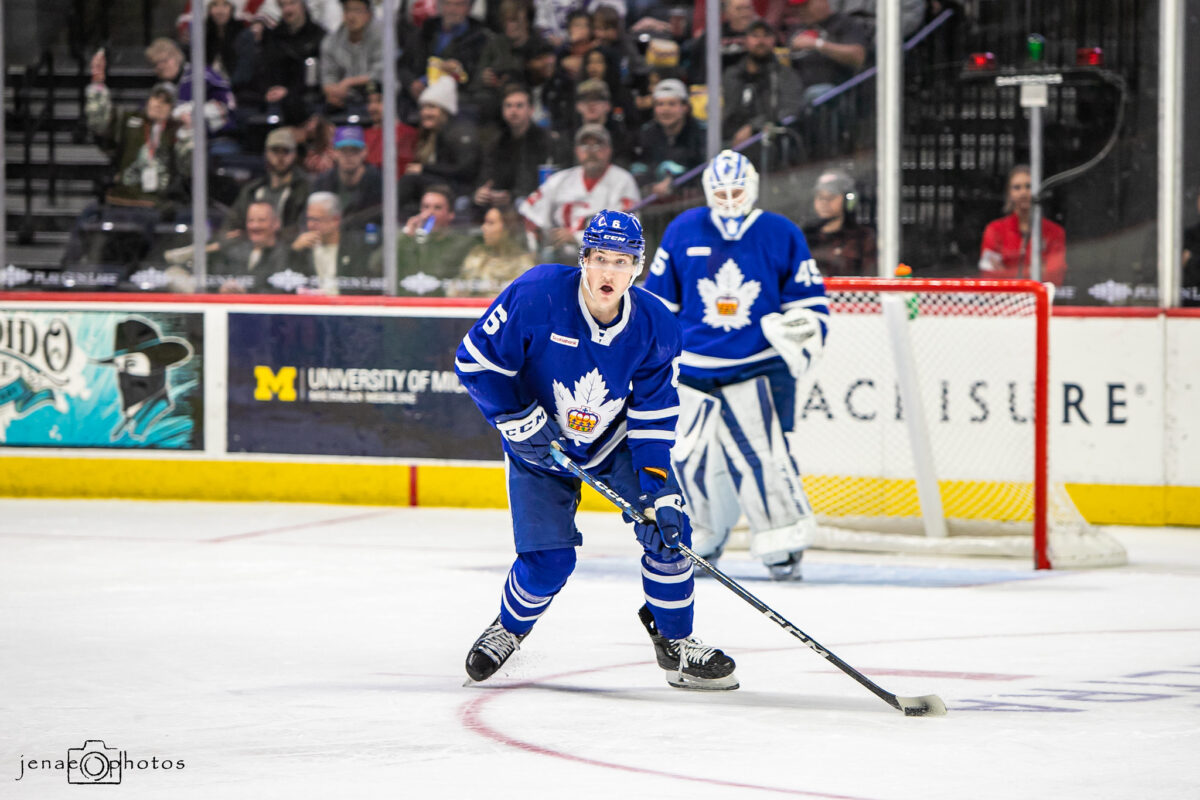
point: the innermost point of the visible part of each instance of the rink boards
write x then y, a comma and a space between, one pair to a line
351, 401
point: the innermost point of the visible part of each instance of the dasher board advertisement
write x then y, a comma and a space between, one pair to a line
352, 385
103, 379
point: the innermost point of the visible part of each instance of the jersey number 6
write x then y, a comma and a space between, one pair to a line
492, 323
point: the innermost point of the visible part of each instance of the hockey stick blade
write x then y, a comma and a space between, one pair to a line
929, 705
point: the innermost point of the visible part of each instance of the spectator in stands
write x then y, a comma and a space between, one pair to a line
504, 57
552, 96
1005, 251
326, 13
1190, 263
357, 185
406, 135
497, 258
221, 30
665, 25
167, 60
447, 150
429, 250
837, 241
828, 49
912, 12
758, 90
351, 56
552, 18
245, 10
601, 64
735, 20
285, 187
644, 90
559, 210
151, 156
246, 264
248, 80
770, 10
335, 259
610, 35
512, 158
448, 44
577, 43
318, 144
593, 106
670, 144
291, 52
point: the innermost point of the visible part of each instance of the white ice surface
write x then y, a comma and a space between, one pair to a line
316, 652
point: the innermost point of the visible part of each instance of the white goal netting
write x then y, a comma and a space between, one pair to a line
919, 430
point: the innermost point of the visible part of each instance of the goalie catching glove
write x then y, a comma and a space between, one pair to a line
664, 529
798, 335
529, 433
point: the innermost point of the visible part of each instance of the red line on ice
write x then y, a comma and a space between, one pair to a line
472, 719
299, 527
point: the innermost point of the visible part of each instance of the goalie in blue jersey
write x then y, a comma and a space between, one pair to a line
752, 306
580, 357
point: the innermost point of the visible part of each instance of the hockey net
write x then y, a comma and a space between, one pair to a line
925, 426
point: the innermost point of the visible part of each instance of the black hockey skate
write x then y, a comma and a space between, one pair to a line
491, 650
788, 570
689, 664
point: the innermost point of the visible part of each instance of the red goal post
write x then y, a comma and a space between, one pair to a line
925, 426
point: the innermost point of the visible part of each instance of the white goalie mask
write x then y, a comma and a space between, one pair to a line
727, 172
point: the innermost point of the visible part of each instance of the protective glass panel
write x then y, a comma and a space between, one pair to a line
1073, 81
1190, 261
798, 99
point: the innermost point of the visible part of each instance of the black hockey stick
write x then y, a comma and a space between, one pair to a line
929, 705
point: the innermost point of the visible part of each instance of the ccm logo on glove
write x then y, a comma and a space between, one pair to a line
518, 430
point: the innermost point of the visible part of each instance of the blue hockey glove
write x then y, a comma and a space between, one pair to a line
529, 433
664, 531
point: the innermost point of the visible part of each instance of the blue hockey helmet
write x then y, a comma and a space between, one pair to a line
727, 171
618, 231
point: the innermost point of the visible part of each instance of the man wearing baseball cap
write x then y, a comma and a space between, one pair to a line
758, 90
671, 143
285, 186
357, 184
593, 105
566, 202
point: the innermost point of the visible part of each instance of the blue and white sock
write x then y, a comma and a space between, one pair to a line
532, 582
669, 587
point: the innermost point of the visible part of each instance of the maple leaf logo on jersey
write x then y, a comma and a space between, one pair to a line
727, 300
583, 415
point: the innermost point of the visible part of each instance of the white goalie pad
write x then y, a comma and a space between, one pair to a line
797, 335
702, 472
768, 483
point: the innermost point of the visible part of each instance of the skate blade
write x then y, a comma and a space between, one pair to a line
790, 573
726, 684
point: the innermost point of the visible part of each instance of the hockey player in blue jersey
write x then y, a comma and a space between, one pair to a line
754, 315
581, 357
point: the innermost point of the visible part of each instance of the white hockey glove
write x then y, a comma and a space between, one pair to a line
797, 335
